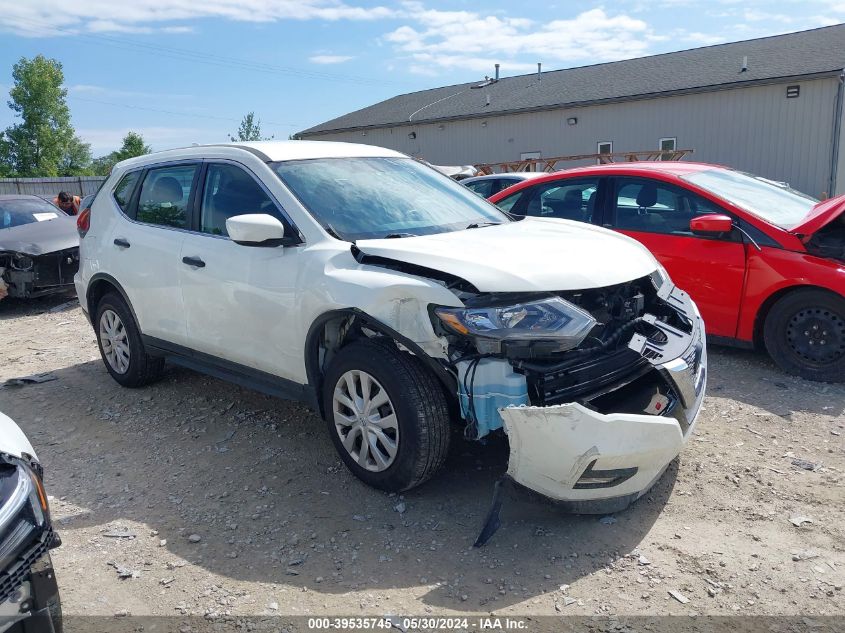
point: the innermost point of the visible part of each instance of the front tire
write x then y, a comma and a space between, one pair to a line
804, 334
386, 414
120, 344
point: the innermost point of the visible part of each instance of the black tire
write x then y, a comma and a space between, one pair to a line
417, 400
142, 368
804, 334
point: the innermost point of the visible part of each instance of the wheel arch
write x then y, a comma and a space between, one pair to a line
98, 286
333, 323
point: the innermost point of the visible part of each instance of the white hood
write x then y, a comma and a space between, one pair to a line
12, 440
534, 254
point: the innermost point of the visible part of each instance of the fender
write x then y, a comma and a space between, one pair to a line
312, 344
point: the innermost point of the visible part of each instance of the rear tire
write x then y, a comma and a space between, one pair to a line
804, 334
120, 344
373, 392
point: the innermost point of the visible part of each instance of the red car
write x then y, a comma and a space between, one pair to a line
764, 263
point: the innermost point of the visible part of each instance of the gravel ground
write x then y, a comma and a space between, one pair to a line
197, 497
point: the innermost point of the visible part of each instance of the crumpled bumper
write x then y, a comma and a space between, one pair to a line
601, 462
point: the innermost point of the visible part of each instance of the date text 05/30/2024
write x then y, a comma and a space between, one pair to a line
458, 623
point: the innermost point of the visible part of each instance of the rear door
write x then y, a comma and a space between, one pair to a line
240, 301
142, 252
710, 269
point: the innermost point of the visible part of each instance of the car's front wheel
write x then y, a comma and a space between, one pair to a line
386, 414
120, 344
805, 334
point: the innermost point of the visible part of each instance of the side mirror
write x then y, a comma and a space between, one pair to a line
711, 224
259, 229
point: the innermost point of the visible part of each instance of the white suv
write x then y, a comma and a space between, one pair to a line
396, 302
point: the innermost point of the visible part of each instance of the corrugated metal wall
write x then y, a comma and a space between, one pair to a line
755, 129
50, 187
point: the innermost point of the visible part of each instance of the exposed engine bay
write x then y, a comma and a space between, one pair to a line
612, 370
829, 242
31, 276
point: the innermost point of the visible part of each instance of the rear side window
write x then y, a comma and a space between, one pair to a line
483, 188
123, 192
165, 194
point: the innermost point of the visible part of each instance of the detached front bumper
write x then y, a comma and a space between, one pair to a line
598, 462
33, 606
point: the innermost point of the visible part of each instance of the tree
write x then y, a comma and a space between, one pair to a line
44, 142
133, 145
249, 130
77, 159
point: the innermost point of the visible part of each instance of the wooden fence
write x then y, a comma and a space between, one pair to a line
551, 164
50, 187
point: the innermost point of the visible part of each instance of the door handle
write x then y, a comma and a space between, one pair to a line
123, 243
193, 261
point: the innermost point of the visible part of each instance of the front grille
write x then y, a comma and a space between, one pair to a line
14, 577
584, 377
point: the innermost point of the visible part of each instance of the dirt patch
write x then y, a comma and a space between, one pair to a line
197, 497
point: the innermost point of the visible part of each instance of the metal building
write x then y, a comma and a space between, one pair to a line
771, 106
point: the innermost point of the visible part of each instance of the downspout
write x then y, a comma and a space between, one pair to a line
837, 133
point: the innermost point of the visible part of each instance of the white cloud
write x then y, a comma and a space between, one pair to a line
39, 18
329, 59
463, 39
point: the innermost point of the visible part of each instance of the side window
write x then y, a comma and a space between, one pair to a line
507, 203
230, 191
165, 194
123, 192
656, 207
483, 188
564, 199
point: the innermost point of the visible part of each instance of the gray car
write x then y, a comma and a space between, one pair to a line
39, 247
486, 186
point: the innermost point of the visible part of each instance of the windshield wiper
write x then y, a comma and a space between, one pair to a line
477, 225
391, 236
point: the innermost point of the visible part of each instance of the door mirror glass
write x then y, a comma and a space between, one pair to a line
711, 224
259, 229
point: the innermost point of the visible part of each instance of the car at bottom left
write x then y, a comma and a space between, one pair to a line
29, 595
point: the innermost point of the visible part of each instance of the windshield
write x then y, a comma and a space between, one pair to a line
360, 198
18, 211
769, 200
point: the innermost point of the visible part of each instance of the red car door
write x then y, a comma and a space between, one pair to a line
710, 269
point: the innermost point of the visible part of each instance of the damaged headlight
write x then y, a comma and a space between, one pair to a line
551, 319
24, 513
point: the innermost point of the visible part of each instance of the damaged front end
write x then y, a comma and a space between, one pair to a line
30, 276
597, 390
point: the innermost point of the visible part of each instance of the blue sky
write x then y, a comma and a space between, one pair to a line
183, 71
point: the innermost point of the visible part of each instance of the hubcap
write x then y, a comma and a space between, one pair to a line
817, 335
365, 420
115, 341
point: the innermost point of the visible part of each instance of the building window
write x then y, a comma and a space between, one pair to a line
604, 147
793, 92
667, 145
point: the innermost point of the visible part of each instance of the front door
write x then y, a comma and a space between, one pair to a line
710, 269
240, 301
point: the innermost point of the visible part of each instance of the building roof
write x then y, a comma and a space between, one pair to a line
805, 53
